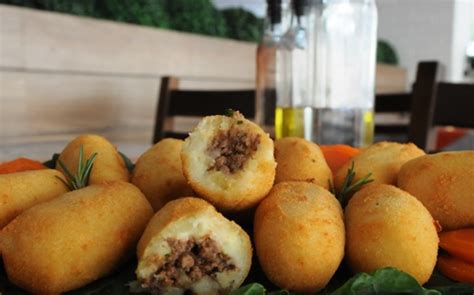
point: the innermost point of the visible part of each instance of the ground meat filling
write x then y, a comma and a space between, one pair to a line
232, 148
193, 258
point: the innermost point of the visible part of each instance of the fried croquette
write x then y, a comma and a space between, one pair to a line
75, 238
22, 190
229, 161
387, 227
188, 247
299, 236
158, 173
444, 183
108, 166
383, 160
301, 160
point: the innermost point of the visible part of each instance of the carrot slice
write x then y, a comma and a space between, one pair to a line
338, 154
456, 269
19, 165
459, 243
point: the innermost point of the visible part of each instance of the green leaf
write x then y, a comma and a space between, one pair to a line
242, 24
383, 281
386, 53
51, 164
251, 289
128, 162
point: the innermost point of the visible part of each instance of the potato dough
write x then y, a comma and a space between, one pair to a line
383, 160
387, 227
159, 175
444, 183
299, 236
301, 160
189, 246
74, 239
22, 190
108, 166
229, 162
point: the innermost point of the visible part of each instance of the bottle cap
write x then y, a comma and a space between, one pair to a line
274, 11
299, 7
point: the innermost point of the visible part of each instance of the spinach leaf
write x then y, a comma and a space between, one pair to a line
250, 289
383, 281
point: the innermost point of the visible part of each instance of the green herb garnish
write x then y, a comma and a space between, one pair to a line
81, 178
348, 188
229, 112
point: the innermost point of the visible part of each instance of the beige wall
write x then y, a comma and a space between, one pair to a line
62, 75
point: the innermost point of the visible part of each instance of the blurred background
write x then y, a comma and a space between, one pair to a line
95, 66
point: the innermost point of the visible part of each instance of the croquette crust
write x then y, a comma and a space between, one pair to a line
301, 160
233, 192
387, 227
383, 160
74, 239
299, 236
108, 166
159, 174
444, 183
22, 190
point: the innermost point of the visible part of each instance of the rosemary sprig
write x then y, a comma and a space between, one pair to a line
229, 112
81, 178
348, 188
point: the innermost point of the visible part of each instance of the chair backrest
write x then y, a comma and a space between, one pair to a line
393, 103
423, 103
189, 103
451, 104
454, 105
413, 105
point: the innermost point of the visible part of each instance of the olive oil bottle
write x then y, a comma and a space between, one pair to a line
293, 113
266, 52
349, 126
325, 72
291, 122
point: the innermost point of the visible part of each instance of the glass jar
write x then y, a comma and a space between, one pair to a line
343, 100
325, 72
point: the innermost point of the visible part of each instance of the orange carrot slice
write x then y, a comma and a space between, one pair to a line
456, 269
338, 154
19, 165
459, 243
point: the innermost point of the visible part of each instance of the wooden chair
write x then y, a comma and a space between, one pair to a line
418, 104
451, 104
414, 105
173, 102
